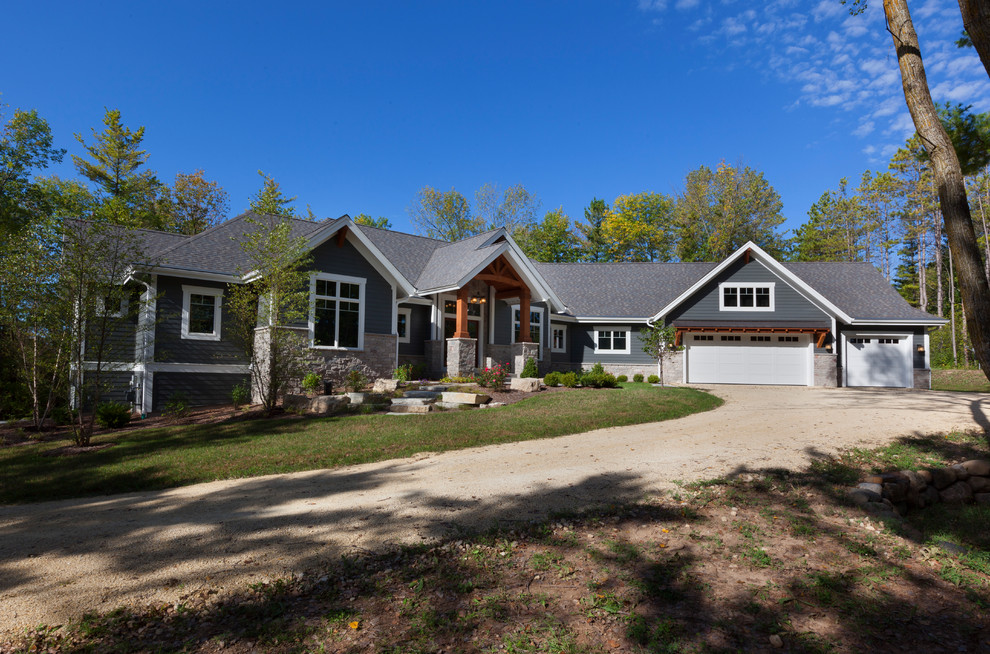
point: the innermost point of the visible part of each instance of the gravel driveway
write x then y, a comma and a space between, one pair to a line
58, 559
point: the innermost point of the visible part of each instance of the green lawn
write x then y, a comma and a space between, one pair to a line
182, 455
960, 380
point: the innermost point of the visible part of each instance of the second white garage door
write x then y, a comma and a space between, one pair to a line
748, 359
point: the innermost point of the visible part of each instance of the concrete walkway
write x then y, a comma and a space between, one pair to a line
58, 559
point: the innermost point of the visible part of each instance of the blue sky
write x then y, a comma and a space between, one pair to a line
353, 107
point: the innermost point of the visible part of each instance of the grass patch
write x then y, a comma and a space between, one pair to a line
182, 455
960, 380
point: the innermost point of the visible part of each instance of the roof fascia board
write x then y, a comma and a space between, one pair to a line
364, 245
494, 236
773, 265
935, 322
535, 279
612, 319
189, 273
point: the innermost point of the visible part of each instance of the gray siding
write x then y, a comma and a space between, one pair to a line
346, 260
503, 322
121, 333
419, 330
788, 303
199, 389
170, 347
582, 347
114, 386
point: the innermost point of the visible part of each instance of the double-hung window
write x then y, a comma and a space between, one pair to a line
336, 318
558, 341
613, 340
742, 296
201, 313
402, 318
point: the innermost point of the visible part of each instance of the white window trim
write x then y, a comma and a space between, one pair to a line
614, 328
408, 314
361, 282
119, 313
217, 294
752, 285
553, 328
512, 334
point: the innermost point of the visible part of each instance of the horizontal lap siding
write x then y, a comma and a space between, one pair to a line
113, 386
118, 345
199, 389
788, 303
171, 347
582, 346
346, 260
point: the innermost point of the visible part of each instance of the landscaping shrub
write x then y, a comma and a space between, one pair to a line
598, 378
355, 381
241, 394
63, 416
653, 379
177, 406
552, 378
530, 370
312, 384
493, 377
403, 372
638, 378
569, 379
622, 379
113, 415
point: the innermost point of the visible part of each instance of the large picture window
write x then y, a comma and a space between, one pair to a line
201, 313
613, 340
337, 312
746, 297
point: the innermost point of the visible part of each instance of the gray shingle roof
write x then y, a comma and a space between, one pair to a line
408, 253
858, 289
217, 250
620, 290
450, 263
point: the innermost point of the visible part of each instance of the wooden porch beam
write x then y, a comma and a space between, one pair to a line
524, 336
461, 330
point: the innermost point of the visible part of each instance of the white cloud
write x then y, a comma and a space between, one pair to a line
826, 9
652, 5
687, 4
864, 129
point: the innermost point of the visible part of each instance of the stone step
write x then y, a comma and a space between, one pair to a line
412, 401
434, 388
411, 408
454, 405
421, 393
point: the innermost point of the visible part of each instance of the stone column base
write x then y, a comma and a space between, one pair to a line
521, 352
461, 355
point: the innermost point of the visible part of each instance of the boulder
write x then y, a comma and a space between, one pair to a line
896, 491
979, 484
942, 477
326, 404
873, 479
524, 384
862, 496
925, 475
962, 474
977, 467
916, 481
385, 386
877, 489
957, 493
930, 496
465, 398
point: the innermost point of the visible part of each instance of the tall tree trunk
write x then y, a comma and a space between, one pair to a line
986, 237
976, 20
922, 266
939, 261
952, 311
951, 187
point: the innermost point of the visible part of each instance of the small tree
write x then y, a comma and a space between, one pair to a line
657, 341
264, 309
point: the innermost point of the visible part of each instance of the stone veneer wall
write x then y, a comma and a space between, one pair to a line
375, 361
673, 368
461, 356
826, 370
521, 352
923, 379
498, 354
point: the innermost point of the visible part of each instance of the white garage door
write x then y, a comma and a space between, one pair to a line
748, 359
879, 360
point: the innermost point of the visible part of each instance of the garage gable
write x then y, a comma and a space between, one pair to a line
747, 291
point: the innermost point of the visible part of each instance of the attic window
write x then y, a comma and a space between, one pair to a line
735, 296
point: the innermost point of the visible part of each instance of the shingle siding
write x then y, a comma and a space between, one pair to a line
419, 330
789, 305
201, 389
582, 347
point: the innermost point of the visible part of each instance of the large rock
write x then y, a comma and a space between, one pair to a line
862, 496
930, 496
873, 488
979, 484
326, 404
916, 480
962, 474
957, 493
942, 478
385, 386
524, 384
977, 467
473, 399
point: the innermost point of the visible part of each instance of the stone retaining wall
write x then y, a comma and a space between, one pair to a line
899, 492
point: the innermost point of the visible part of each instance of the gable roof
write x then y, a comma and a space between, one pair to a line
619, 290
